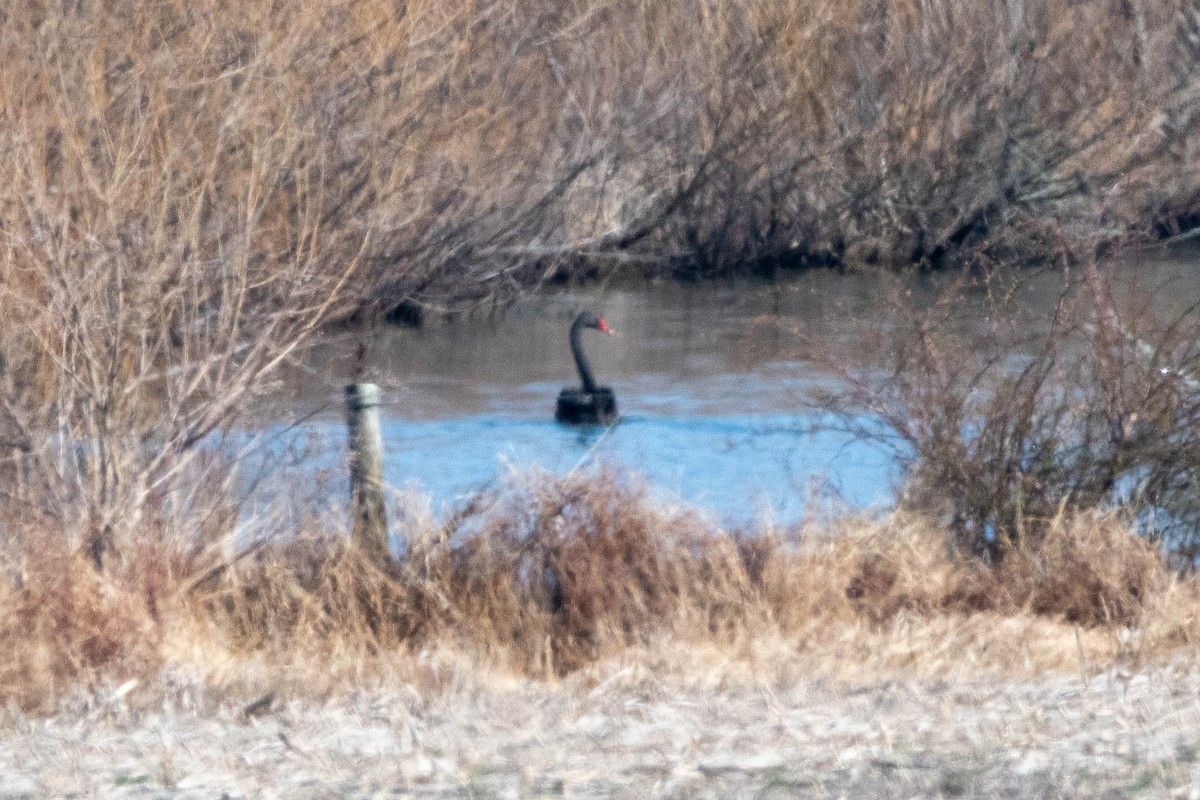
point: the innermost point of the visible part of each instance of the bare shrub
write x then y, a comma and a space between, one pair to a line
1003, 428
908, 132
165, 249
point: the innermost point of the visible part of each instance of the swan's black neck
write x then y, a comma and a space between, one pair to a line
581, 362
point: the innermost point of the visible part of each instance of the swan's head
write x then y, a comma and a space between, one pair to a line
589, 320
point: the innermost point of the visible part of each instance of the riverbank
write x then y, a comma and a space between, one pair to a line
551, 577
621, 730
570, 637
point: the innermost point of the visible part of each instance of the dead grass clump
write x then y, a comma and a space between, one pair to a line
546, 576
62, 624
1086, 569
567, 571
905, 571
858, 570
305, 593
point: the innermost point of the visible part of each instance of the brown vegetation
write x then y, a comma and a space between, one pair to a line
465, 147
550, 576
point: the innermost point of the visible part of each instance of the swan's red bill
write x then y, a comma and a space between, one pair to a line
604, 327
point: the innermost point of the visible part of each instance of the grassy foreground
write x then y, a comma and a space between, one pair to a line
549, 577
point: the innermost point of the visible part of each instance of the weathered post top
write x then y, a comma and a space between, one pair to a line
361, 396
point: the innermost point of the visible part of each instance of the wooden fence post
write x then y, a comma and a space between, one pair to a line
370, 530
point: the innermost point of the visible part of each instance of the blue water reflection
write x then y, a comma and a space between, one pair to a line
743, 469
739, 467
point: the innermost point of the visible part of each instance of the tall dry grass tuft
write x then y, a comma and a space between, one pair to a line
63, 625
568, 571
1087, 570
549, 576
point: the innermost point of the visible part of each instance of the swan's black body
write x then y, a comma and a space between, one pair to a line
589, 404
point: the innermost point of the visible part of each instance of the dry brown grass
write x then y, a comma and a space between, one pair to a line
550, 577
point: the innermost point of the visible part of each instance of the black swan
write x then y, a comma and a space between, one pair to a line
589, 403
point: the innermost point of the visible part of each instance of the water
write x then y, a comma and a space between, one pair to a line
711, 388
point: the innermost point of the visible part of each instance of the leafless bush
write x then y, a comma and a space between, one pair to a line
896, 132
1000, 429
165, 249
